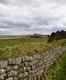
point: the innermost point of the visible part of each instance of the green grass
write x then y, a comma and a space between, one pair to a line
22, 46
10, 48
61, 72
58, 70
26, 46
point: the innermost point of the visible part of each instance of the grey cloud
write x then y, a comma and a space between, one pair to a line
37, 25
31, 2
32, 16
19, 2
3, 1
59, 2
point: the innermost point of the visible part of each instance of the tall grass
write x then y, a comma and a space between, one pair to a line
22, 46
26, 46
58, 70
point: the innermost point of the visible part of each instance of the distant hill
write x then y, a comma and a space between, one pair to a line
57, 35
38, 36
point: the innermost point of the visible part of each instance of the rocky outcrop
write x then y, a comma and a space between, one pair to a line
29, 67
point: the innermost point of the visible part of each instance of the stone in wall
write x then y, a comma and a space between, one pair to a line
29, 67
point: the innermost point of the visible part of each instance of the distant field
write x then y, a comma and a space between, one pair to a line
21, 46
25, 46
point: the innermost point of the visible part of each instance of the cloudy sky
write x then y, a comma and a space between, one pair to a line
32, 16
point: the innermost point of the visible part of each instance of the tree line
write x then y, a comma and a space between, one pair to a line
57, 35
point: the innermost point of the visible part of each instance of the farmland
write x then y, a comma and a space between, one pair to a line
14, 47
50, 56
22, 46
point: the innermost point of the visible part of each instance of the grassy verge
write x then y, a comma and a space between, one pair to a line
58, 70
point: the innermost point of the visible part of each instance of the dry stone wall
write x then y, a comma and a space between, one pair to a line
29, 67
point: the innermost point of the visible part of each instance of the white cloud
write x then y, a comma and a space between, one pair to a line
31, 16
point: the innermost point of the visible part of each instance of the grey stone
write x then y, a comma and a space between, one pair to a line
3, 64
27, 67
10, 78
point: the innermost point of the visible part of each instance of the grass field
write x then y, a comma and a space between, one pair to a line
10, 48
26, 46
22, 46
